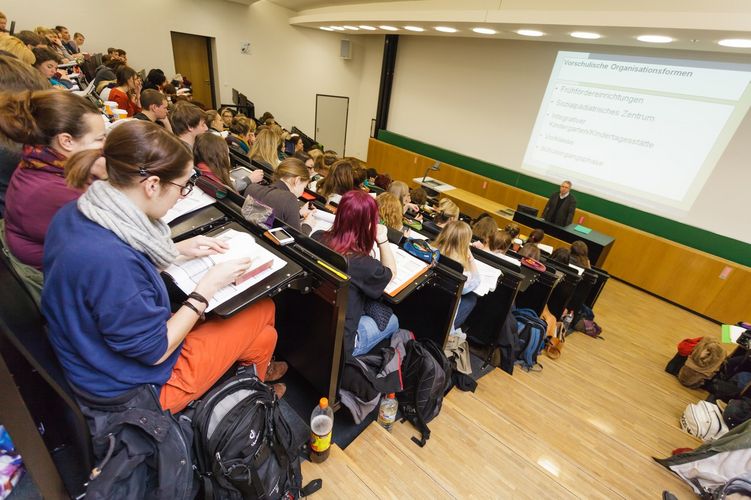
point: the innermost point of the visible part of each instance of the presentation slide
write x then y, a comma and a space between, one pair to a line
641, 131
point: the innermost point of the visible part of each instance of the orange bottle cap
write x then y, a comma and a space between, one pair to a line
391, 395
324, 403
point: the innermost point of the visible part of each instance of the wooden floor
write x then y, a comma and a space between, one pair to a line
586, 426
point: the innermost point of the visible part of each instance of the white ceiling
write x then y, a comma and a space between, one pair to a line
694, 24
299, 5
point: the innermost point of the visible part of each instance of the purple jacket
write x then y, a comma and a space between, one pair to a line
34, 196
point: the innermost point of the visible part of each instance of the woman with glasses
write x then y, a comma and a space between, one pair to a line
107, 306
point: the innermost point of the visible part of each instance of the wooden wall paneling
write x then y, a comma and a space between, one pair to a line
678, 273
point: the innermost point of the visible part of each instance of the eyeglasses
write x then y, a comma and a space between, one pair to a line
185, 190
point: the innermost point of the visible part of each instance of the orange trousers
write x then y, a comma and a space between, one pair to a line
212, 347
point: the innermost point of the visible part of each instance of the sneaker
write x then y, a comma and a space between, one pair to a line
275, 371
279, 390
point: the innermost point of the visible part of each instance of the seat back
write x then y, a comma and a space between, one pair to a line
37, 372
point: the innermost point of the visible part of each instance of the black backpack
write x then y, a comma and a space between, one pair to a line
426, 379
244, 448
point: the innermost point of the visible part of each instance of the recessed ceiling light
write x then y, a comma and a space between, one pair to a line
352, 28
529, 33
654, 38
389, 28
586, 35
367, 28
326, 28
484, 31
739, 43
337, 28
414, 28
445, 29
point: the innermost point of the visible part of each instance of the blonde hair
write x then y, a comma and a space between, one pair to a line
399, 189
13, 45
447, 211
454, 240
264, 147
390, 210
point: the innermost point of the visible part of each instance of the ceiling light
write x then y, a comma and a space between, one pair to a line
654, 38
586, 35
326, 28
484, 31
445, 29
529, 33
739, 43
337, 28
352, 28
414, 28
367, 28
389, 28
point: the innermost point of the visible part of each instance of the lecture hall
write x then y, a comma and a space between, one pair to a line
272, 249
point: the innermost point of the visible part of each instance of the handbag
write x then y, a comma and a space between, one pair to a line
258, 213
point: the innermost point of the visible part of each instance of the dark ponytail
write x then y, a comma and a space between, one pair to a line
38, 117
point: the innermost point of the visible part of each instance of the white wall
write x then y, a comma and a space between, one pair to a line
481, 97
287, 66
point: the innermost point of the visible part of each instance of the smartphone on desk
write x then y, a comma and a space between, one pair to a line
279, 236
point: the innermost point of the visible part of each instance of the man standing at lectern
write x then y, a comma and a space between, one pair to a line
560, 206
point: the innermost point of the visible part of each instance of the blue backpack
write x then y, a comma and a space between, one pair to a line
531, 338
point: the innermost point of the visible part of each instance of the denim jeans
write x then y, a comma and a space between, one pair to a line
466, 304
368, 334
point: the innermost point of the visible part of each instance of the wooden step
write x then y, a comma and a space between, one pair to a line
341, 477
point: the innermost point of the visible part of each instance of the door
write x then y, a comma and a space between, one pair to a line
331, 122
192, 55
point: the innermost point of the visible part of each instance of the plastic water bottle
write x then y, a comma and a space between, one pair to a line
567, 319
387, 411
321, 424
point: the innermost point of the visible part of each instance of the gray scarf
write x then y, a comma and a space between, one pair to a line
112, 209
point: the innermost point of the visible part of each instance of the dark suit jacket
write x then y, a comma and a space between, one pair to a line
565, 213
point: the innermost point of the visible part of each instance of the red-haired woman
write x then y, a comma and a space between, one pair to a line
353, 235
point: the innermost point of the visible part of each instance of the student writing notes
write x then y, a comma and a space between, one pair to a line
106, 304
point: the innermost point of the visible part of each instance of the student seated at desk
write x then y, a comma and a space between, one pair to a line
353, 235
489, 237
105, 301
341, 179
240, 137
401, 191
530, 248
580, 254
188, 122
453, 242
127, 92
446, 212
419, 196
322, 165
263, 150
290, 179
211, 157
154, 108
390, 211
52, 125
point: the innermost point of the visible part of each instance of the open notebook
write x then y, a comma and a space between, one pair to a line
195, 200
408, 269
187, 272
